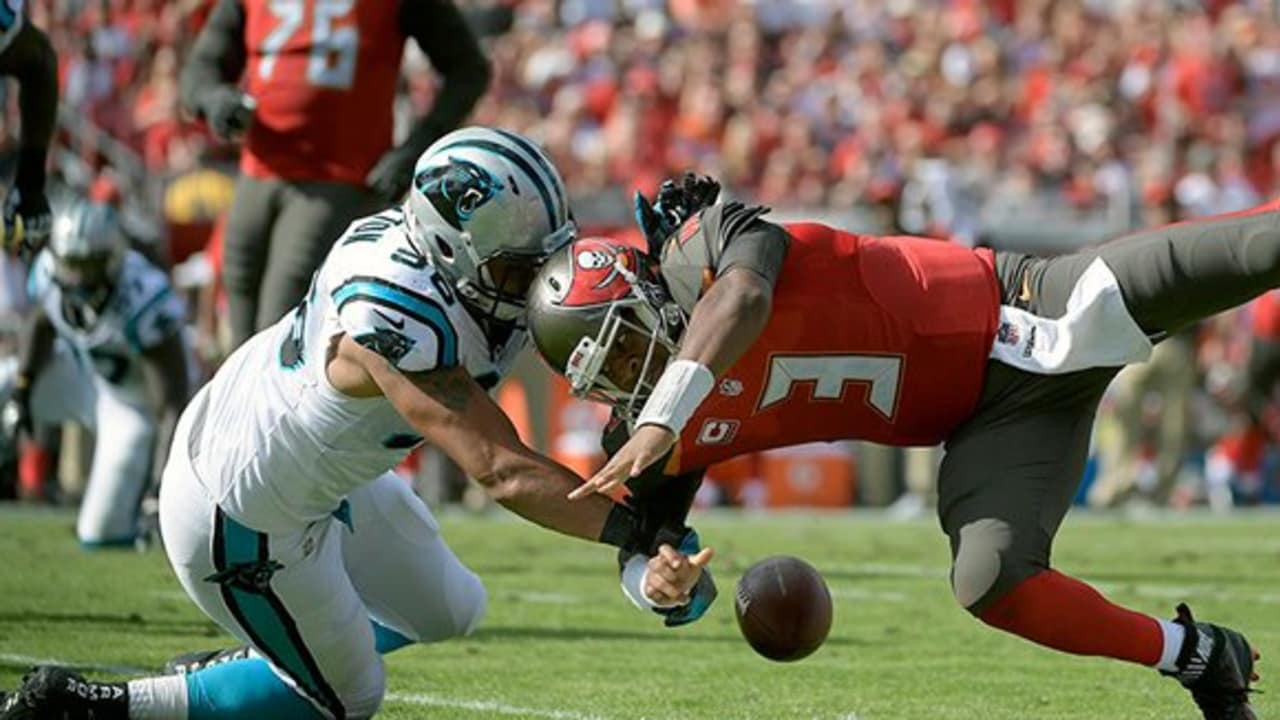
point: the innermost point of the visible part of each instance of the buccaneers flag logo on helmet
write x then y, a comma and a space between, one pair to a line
602, 272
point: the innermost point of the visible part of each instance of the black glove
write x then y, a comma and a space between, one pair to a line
227, 111
675, 203
390, 177
27, 220
15, 416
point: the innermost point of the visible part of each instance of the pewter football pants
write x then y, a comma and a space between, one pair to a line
1012, 470
278, 232
303, 599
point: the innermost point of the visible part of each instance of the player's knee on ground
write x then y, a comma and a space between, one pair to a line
988, 563
104, 530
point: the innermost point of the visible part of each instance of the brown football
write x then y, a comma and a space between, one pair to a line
783, 608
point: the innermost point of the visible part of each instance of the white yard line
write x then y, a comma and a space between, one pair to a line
94, 667
491, 707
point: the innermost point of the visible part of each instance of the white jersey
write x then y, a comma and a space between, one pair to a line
141, 313
273, 441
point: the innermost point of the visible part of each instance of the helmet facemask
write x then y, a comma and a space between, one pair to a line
503, 279
646, 323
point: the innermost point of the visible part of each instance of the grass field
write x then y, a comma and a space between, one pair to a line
561, 644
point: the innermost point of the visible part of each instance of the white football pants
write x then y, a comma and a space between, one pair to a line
304, 599
124, 437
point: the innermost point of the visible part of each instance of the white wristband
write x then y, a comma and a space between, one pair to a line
681, 389
634, 573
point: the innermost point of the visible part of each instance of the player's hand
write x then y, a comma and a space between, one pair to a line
675, 203
647, 445
391, 175
228, 112
672, 575
26, 223
15, 415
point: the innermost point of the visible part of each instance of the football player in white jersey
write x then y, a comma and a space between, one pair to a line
102, 345
278, 509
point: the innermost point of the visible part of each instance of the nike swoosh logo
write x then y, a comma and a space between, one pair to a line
397, 324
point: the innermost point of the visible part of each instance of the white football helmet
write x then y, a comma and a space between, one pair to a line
489, 207
88, 247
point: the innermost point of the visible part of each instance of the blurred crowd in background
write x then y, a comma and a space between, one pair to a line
1037, 125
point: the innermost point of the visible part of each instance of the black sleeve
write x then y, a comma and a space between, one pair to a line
31, 60
661, 501
747, 240
218, 58
444, 35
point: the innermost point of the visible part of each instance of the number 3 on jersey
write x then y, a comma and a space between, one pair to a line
831, 374
331, 52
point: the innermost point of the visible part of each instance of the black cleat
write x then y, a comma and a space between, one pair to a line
1216, 665
59, 694
191, 662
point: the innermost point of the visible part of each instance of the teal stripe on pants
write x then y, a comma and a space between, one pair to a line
265, 618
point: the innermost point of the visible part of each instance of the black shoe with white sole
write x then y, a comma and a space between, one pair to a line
191, 662
1216, 665
57, 693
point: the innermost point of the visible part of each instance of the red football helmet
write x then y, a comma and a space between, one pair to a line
586, 299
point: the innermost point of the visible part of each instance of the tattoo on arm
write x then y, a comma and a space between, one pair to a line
450, 387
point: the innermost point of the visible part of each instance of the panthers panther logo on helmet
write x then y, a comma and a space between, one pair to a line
458, 189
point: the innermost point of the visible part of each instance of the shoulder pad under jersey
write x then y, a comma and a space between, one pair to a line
691, 256
390, 299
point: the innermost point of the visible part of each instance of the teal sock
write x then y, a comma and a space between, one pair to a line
244, 689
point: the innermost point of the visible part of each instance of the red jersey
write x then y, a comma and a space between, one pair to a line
883, 339
323, 74
1266, 316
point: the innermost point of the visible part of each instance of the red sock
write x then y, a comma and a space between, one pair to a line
1065, 614
34, 464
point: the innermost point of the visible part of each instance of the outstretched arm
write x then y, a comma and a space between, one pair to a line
452, 412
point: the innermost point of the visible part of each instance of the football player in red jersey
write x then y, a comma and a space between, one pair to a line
310, 85
735, 334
